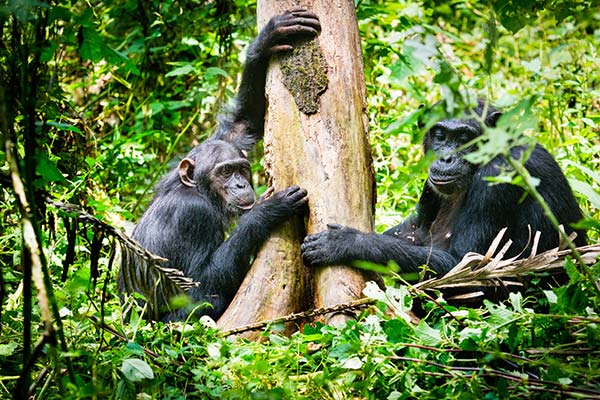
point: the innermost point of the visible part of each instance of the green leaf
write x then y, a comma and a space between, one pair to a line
278, 339
214, 71
572, 271
8, 349
91, 45
445, 75
508, 133
380, 269
515, 337
398, 299
397, 330
190, 41
586, 190
183, 70
48, 170
469, 344
534, 65
135, 348
499, 314
592, 174
61, 126
261, 366
136, 370
214, 350
352, 363
79, 281
93, 48
343, 351
427, 335
551, 296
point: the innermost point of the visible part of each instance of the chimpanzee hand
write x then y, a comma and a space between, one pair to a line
295, 198
284, 204
282, 30
333, 246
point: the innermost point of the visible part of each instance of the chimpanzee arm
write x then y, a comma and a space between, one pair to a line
342, 245
244, 126
227, 268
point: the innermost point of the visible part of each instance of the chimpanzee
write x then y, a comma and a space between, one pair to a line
197, 202
458, 211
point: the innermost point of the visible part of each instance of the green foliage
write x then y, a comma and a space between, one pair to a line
516, 14
108, 93
497, 351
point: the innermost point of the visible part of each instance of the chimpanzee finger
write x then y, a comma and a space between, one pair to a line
298, 192
303, 13
308, 18
335, 226
300, 198
312, 257
292, 189
309, 239
284, 32
295, 9
311, 23
268, 193
281, 48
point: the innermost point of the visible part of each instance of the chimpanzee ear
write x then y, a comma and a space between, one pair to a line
492, 118
186, 172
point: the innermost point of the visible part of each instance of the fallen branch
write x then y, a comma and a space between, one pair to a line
128, 245
349, 306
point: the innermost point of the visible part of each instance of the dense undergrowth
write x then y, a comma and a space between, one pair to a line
123, 87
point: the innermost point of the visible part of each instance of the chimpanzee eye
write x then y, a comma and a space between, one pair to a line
438, 135
245, 170
227, 170
464, 138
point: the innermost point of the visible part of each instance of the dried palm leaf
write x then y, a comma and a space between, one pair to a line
129, 247
491, 269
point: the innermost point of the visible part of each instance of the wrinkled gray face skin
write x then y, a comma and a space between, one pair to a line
450, 174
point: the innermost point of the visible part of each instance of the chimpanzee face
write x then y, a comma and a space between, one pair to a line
231, 180
450, 174
222, 170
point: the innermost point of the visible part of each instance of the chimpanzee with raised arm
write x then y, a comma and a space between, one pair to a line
197, 202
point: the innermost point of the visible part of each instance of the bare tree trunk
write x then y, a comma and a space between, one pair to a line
324, 148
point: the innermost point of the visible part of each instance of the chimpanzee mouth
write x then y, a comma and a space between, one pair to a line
442, 180
247, 206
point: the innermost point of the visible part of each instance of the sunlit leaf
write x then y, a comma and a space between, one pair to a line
136, 370
183, 70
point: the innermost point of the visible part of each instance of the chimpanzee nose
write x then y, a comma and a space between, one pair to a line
447, 158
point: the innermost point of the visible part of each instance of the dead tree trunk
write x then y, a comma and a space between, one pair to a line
317, 140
